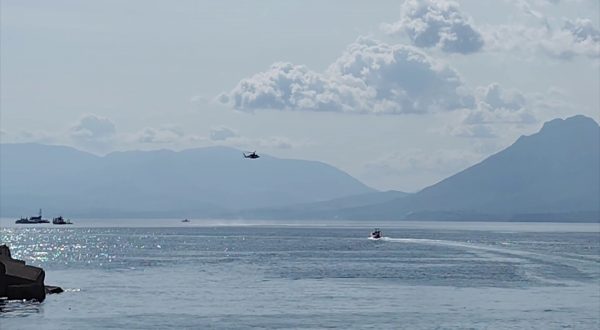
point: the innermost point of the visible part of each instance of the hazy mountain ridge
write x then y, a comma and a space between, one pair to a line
195, 182
551, 175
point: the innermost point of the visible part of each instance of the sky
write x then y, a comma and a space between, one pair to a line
399, 94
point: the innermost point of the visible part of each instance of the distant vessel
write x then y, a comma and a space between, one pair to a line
32, 220
61, 221
185, 220
251, 155
376, 234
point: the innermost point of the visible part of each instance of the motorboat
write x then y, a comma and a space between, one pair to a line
376, 234
61, 221
185, 220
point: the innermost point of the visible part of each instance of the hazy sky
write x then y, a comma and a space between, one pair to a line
399, 94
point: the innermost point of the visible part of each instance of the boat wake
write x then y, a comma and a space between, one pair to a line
589, 267
442, 242
465, 245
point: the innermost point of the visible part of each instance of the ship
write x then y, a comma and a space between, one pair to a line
61, 221
33, 220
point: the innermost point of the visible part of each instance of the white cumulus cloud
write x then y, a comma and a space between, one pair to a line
495, 97
222, 133
438, 23
574, 38
369, 77
496, 108
93, 128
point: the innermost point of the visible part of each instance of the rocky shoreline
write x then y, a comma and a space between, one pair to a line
19, 281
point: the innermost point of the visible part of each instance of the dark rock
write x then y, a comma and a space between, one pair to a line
53, 289
20, 281
3, 283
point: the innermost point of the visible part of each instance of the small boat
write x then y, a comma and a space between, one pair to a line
185, 220
61, 221
23, 220
33, 220
376, 234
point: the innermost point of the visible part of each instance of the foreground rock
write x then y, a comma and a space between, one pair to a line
20, 281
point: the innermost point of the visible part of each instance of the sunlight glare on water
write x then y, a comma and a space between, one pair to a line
311, 276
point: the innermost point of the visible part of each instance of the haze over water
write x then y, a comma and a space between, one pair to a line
138, 274
470, 110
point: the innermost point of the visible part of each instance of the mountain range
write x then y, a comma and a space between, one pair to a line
202, 182
552, 175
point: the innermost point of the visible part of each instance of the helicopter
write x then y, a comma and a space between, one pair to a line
251, 155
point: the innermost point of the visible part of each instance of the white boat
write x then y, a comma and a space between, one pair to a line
376, 234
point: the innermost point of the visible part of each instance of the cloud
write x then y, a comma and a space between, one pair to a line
496, 108
583, 30
248, 143
286, 86
582, 38
369, 77
502, 112
162, 135
439, 24
222, 133
575, 38
525, 7
218, 135
92, 128
495, 98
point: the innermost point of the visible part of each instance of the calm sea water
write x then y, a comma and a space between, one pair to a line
157, 274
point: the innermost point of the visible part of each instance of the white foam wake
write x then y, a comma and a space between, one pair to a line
582, 265
466, 245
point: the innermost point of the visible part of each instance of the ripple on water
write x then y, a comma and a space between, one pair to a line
241, 276
19, 308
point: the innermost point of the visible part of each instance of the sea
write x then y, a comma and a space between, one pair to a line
211, 274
